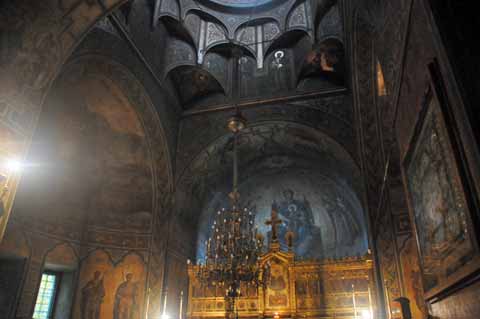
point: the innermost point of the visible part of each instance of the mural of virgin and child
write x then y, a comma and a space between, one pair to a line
297, 216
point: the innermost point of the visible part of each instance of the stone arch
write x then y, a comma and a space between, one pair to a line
151, 121
97, 263
298, 18
63, 260
328, 21
170, 8
210, 22
62, 256
290, 36
212, 164
179, 30
194, 83
267, 151
145, 164
252, 34
42, 35
15, 243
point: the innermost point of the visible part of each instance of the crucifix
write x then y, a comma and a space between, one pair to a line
274, 221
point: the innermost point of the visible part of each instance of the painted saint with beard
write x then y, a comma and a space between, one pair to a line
92, 297
126, 299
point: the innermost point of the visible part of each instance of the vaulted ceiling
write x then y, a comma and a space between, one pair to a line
299, 45
292, 85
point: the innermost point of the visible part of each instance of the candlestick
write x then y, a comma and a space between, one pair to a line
370, 302
164, 304
181, 305
148, 303
388, 301
354, 303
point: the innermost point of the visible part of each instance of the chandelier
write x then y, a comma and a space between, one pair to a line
235, 245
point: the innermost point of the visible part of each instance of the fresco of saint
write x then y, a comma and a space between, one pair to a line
345, 226
126, 299
92, 297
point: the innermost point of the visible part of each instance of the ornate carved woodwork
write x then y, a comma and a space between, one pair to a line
307, 288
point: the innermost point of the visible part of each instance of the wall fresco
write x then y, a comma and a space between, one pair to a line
108, 291
325, 215
90, 154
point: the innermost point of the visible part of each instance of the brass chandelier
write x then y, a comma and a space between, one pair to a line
235, 245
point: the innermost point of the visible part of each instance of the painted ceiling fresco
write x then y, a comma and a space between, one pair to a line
290, 47
264, 146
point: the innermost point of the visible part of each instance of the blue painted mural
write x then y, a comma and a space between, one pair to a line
325, 214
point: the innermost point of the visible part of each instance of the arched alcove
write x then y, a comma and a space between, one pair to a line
91, 158
194, 85
95, 278
312, 181
63, 261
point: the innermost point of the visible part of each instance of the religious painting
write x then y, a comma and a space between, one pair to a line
295, 288
109, 290
325, 217
277, 291
126, 299
324, 65
297, 216
438, 201
92, 297
99, 149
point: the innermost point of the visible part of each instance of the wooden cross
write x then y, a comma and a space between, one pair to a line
274, 221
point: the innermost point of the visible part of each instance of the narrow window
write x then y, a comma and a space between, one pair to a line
46, 296
381, 88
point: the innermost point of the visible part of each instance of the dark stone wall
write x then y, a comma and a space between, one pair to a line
393, 232
406, 40
457, 22
419, 51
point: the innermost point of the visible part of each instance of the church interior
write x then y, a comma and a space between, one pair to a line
239, 159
